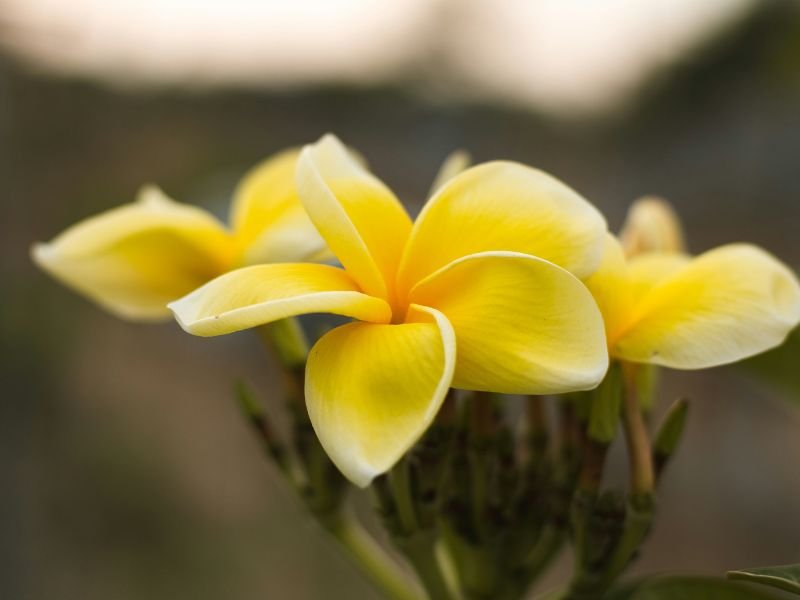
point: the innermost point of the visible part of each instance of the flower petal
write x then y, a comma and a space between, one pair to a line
611, 287
363, 223
372, 390
134, 259
509, 207
523, 325
646, 271
727, 304
652, 225
619, 285
268, 219
256, 295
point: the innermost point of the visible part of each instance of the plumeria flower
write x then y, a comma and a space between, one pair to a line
482, 292
133, 260
663, 307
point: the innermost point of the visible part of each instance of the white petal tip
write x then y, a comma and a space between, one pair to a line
179, 308
330, 138
361, 477
152, 196
786, 297
49, 258
42, 254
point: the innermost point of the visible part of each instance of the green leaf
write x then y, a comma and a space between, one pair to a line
785, 577
687, 588
671, 429
605, 406
288, 339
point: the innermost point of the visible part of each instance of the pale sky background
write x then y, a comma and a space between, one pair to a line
569, 56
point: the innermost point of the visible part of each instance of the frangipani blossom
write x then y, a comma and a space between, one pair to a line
668, 309
482, 292
133, 260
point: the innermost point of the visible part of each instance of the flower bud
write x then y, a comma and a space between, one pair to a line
651, 226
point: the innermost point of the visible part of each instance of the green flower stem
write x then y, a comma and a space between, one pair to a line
636, 436
593, 584
638, 520
477, 567
263, 428
417, 544
596, 574
370, 558
400, 482
546, 549
543, 554
287, 343
321, 488
287, 340
323, 501
420, 550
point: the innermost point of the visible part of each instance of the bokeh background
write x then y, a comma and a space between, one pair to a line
126, 471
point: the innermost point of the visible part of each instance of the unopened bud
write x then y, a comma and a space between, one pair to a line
652, 225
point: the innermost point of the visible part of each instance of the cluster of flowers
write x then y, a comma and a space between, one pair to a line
508, 281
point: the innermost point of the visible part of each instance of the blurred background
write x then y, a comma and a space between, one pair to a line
126, 471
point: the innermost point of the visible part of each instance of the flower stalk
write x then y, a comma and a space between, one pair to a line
311, 480
370, 557
640, 454
398, 501
311, 474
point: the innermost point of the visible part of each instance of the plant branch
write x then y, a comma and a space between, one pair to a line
369, 557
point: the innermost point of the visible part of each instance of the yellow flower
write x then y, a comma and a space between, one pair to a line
481, 292
136, 258
672, 310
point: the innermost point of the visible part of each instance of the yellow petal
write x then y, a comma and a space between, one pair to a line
619, 285
646, 271
372, 390
289, 238
504, 206
727, 304
652, 225
134, 259
523, 325
256, 295
456, 162
268, 219
611, 287
363, 223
